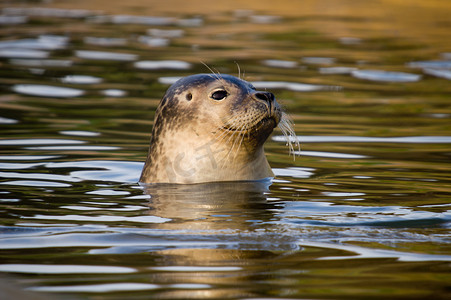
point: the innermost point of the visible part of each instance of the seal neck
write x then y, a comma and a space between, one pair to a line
186, 161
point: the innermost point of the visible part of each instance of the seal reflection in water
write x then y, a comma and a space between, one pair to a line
212, 127
215, 224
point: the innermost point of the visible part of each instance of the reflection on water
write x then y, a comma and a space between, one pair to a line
162, 64
104, 55
292, 86
377, 75
23, 53
46, 90
81, 79
362, 212
187, 203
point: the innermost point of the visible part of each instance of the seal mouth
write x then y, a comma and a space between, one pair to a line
263, 116
268, 121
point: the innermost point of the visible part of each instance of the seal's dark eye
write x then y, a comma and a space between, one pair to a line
219, 95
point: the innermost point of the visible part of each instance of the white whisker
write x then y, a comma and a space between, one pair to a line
239, 70
239, 136
232, 137
287, 128
216, 74
239, 145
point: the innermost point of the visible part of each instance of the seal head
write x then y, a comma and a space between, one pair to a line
208, 128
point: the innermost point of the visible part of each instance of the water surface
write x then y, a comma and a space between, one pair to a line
362, 211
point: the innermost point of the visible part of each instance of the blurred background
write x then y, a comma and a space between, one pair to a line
362, 212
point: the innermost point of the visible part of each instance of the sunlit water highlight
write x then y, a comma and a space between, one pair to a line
361, 211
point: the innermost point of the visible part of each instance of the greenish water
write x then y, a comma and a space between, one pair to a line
361, 213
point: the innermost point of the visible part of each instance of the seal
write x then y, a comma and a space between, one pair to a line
211, 128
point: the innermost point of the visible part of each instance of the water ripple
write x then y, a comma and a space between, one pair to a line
162, 64
105, 41
329, 154
138, 219
47, 90
361, 252
98, 288
23, 53
364, 139
64, 269
129, 19
434, 64
438, 73
103, 55
13, 20
36, 183
293, 86
27, 157
117, 171
75, 148
8, 121
81, 79
41, 62
20, 142
44, 42
280, 63
377, 75
51, 177
49, 12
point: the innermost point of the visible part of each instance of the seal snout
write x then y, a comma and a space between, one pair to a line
265, 96
273, 111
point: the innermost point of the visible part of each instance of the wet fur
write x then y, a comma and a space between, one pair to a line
201, 140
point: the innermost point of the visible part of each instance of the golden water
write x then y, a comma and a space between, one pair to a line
361, 213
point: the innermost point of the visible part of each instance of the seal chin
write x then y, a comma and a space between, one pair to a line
267, 122
271, 119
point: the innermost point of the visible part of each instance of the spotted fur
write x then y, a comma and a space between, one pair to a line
197, 138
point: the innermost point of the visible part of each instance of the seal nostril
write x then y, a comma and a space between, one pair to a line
265, 96
271, 96
261, 96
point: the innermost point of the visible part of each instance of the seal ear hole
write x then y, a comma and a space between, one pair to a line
219, 95
189, 96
